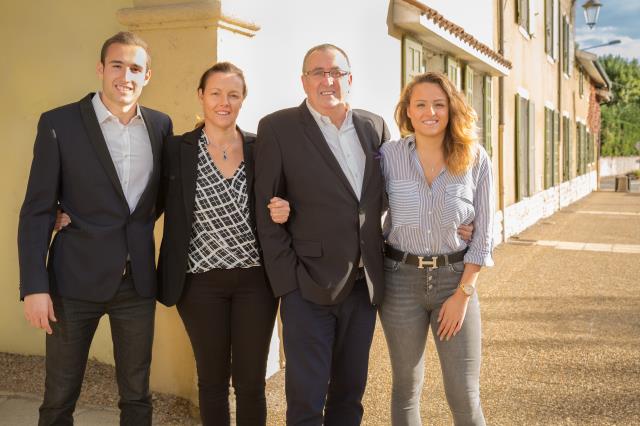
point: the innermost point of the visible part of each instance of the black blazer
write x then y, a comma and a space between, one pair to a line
318, 249
72, 168
180, 167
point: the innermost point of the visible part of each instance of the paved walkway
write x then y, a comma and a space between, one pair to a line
561, 331
21, 409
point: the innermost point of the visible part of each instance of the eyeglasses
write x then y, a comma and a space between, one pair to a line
319, 73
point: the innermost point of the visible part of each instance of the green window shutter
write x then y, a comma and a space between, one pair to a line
468, 84
548, 27
556, 147
566, 149
522, 148
531, 145
452, 70
519, 142
412, 59
565, 45
584, 149
487, 118
548, 148
578, 165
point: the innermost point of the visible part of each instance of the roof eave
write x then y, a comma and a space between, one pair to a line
410, 16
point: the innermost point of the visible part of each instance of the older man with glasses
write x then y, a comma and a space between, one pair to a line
326, 261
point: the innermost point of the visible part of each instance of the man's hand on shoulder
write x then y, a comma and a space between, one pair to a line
38, 310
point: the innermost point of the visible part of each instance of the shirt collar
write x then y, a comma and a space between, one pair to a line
326, 120
102, 112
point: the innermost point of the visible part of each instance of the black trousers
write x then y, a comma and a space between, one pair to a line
229, 316
327, 350
132, 319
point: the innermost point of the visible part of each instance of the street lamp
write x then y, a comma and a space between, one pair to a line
609, 43
591, 12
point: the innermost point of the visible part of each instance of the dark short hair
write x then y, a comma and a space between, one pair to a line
226, 68
324, 46
128, 39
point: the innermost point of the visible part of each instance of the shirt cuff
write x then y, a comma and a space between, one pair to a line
476, 258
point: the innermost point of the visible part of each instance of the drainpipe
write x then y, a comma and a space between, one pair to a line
501, 189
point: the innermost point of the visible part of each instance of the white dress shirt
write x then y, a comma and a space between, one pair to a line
345, 146
130, 149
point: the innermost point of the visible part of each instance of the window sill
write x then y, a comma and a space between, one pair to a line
524, 32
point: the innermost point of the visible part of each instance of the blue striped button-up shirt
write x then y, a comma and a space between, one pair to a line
423, 219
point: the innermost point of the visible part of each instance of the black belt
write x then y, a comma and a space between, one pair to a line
432, 262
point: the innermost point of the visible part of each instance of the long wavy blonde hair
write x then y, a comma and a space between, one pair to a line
461, 134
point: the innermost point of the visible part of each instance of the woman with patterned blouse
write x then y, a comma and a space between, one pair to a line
437, 178
210, 263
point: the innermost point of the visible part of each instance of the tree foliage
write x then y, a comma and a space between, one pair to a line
621, 117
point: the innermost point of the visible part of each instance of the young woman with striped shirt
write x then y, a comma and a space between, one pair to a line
437, 178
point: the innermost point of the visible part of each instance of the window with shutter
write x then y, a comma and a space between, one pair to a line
565, 45
453, 72
468, 84
556, 148
487, 93
524, 136
531, 146
566, 149
548, 148
548, 27
556, 29
412, 59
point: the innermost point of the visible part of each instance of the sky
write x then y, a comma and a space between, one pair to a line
619, 19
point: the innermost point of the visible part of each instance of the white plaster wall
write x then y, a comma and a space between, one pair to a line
611, 166
272, 60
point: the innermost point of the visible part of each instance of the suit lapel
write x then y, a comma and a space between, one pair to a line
247, 151
364, 136
189, 170
99, 144
314, 134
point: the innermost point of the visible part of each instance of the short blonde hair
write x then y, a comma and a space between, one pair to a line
461, 134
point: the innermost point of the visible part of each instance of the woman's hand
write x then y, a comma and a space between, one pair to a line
279, 210
452, 315
62, 220
465, 232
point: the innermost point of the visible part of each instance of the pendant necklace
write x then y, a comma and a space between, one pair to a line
223, 149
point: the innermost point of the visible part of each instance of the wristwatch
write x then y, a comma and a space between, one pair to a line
467, 289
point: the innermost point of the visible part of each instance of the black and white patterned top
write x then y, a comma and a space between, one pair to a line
221, 235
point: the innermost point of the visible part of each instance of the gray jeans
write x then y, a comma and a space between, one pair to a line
412, 302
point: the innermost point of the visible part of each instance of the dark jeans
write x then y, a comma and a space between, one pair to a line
131, 318
229, 315
327, 351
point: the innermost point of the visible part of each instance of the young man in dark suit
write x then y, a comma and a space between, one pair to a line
98, 160
326, 261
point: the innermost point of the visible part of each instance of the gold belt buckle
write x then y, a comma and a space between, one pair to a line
433, 263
